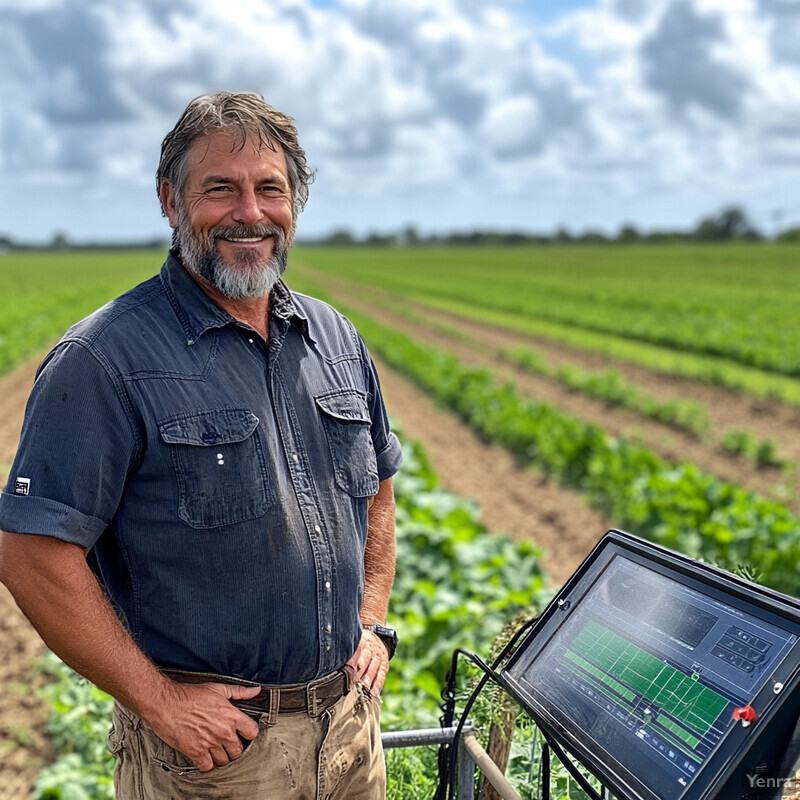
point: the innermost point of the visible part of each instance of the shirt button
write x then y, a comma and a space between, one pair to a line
327, 647
328, 629
318, 529
328, 585
295, 458
250, 340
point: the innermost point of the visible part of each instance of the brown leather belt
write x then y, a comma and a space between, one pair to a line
310, 698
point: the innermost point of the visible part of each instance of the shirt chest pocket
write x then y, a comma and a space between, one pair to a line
347, 427
219, 466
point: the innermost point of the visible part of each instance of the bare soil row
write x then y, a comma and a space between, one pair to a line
23, 745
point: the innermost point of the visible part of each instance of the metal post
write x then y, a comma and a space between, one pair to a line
466, 771
420, 738
490, 770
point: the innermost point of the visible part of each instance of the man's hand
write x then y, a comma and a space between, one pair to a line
200, 722
371, 662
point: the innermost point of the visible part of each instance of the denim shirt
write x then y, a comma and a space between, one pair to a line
221, 483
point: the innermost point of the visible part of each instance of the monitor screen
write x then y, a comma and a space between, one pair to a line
646, 667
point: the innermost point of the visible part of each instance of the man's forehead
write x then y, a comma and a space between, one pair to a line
222, 146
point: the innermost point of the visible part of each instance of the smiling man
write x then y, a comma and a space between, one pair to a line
200, 516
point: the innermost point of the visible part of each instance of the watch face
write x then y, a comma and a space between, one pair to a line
388, 635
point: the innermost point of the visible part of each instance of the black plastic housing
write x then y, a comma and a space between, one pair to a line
630, 597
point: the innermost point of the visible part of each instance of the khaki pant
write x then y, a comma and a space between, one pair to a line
335, 756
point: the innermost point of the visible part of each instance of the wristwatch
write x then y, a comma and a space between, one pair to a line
387, 635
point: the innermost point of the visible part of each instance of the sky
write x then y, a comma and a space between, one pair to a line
443, 114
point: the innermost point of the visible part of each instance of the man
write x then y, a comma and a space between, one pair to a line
200, 516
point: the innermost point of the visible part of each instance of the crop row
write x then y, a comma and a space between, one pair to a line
736, 302
44, 293
565, 297
605, 385
677, 505
455, 586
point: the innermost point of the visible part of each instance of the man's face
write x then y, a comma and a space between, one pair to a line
234, 221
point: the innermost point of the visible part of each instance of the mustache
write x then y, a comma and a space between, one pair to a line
259, 230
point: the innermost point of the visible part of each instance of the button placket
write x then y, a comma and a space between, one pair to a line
300, 474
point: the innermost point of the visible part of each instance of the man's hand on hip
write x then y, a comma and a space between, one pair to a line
371, 662
200, 722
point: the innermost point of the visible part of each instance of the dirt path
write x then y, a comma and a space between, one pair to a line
23, 747
481, 344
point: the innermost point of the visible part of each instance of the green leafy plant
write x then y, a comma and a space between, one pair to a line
78, 726
762, 453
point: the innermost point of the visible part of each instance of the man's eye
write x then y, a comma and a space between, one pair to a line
217, 189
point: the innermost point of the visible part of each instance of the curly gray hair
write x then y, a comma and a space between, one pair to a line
244, 114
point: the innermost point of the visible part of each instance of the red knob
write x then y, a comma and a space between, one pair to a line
745, 714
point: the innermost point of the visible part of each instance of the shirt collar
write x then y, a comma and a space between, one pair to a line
198, 313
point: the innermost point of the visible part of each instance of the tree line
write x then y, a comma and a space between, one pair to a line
729, 224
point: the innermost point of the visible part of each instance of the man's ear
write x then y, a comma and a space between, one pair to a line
167, 196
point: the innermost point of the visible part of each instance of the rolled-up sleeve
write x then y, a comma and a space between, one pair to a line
79, 442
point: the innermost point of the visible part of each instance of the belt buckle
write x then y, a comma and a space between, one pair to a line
312, 704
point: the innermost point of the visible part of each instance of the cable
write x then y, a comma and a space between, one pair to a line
571, 768
448, 752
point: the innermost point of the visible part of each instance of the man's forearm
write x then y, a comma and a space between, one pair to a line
380, 556
55, 589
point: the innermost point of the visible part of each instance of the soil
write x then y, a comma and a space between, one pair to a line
23, 745
514, 501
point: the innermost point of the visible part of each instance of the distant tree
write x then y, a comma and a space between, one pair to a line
410, 236
514, 238
665, 237
59, 241
340, 238
790, 235
593, 237
563, 236
380, 240
730, 223
628, 234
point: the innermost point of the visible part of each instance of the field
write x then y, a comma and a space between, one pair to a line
566, 390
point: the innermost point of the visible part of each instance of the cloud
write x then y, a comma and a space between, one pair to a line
784, 18
71, 42
416, 99
680, 64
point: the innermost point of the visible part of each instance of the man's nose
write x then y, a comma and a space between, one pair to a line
247, 209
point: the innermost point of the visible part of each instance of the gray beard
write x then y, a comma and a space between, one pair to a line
251, 277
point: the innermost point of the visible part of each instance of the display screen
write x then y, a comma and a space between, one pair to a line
647, 670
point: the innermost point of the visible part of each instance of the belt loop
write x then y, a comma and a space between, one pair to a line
274, 706
311, 700
349, 675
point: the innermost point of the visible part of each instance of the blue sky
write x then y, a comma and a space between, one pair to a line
445, 114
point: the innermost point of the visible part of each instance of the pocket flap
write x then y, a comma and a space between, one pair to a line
208, 428
346, 406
